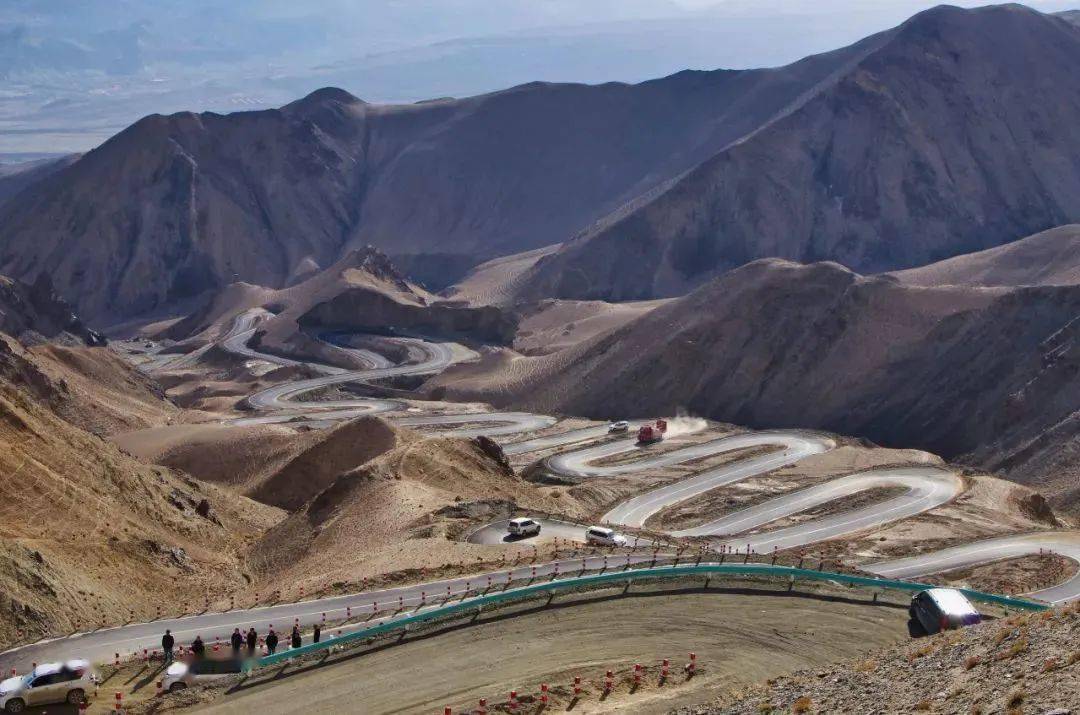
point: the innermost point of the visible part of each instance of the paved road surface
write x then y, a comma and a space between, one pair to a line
102, 644
1065, 543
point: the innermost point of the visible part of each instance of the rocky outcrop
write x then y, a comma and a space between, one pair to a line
365, 310
34, 313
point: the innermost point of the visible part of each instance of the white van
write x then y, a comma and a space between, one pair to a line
603, 536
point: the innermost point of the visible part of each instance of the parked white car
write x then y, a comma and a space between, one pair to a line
617, 427
523, 526
181, 675
48, 684
603, 536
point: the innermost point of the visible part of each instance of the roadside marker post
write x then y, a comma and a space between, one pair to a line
447, 710
609, 681
482, 710
577, 686
119, 698
664, 671
691, 667
513, 701
543, 694
637, 675
116, 660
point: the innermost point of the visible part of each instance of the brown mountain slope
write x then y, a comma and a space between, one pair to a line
979, 374
1048, 258
174, 206
935, 143
91, 534
269, 463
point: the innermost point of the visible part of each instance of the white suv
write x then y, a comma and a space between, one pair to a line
603, 536
523, 526
48, 684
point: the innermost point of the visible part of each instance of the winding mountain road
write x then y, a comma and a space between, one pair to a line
926, 487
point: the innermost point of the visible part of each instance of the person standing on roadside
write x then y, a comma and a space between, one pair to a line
296, 641
237, 641
198, 649
271, 642
167, 643
252, 641
318, 633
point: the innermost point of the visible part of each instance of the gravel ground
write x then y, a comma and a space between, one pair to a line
1028, 663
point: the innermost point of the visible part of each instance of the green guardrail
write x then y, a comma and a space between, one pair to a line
662, 572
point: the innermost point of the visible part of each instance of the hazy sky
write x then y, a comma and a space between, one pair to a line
74, 72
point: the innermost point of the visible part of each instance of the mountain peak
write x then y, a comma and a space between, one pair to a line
324, 96
942, 17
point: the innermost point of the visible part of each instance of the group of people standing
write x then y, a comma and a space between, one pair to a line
238, 640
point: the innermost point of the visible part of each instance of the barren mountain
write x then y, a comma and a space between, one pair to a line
979, 374
931, 144
174, 206
1048, 258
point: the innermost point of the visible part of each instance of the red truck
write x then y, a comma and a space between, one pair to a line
654, 432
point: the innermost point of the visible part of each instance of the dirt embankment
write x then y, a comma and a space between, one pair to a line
1022, 664
584, 635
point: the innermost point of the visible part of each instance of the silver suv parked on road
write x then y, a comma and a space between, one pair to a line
48, 684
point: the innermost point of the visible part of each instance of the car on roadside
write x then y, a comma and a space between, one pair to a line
183, 674
618, 427
523, 527
942, 609
603, 536
48, 684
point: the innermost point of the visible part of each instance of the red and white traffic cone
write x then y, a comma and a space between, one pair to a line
513, 701
691, 667
482, 710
